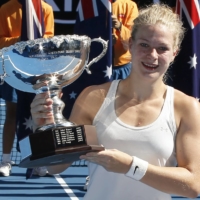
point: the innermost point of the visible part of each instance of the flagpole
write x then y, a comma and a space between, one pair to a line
113, 50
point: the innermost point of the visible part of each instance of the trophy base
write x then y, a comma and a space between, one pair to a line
61, 145
64, 156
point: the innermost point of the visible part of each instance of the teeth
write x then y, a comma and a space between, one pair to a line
150, 65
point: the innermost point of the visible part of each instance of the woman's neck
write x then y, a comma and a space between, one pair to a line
141, 90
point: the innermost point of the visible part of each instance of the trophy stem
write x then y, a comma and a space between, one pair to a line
58, 106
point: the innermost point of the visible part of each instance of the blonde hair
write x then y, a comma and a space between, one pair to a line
160, 14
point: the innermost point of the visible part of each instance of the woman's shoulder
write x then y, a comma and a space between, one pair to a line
184, 104
88, 103
186, 108
96, 91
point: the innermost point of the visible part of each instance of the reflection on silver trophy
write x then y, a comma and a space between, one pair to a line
60, 61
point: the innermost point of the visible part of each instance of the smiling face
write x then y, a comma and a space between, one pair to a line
152, 50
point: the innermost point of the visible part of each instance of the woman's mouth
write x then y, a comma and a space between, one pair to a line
149, 66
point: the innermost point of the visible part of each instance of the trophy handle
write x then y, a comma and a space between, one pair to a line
94, 60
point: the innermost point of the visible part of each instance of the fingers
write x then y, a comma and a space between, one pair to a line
61, 94
105, 161
97, 157
114, 17
48, 116
114, 21
41, 107
42, 98
112, 160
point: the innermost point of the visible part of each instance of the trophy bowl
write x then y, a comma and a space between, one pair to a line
59, 61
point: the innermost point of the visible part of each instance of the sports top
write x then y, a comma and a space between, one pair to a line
154, 143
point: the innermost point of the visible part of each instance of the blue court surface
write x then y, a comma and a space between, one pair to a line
67, 185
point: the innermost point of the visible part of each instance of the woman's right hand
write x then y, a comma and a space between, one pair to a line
41, 109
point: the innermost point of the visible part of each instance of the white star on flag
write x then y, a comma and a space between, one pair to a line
28, 123
108, 72
73, 95
193, 61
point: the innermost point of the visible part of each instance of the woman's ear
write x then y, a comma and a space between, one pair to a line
175, 53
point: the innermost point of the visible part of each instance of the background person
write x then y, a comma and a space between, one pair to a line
10, 31
123, 14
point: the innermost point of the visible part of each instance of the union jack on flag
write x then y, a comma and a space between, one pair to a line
186, 67
32, 20
191, 11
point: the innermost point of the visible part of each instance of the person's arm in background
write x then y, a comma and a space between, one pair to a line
48, 20
124, 32
9, 35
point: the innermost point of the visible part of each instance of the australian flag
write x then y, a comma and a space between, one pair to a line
186, 67
94, 21
32, 28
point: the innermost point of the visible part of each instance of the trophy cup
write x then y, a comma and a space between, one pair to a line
59, 61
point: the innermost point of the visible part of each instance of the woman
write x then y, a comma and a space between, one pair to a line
150, 130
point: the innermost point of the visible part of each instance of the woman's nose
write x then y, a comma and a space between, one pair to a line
152, 53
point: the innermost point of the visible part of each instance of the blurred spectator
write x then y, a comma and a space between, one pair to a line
124, 12
10, 31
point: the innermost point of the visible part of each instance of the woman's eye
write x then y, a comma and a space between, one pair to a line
144, 45
163, 48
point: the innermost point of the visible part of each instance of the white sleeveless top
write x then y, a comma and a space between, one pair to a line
154, 143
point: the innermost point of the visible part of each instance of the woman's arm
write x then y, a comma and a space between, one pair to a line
183, 180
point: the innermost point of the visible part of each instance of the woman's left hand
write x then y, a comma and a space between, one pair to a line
111, 159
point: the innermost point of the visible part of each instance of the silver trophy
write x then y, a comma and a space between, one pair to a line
60, 61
